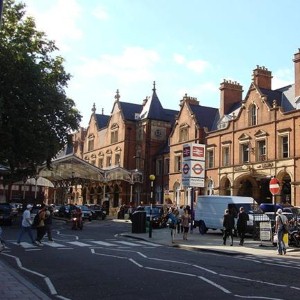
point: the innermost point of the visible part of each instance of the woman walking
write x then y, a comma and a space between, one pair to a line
185, 223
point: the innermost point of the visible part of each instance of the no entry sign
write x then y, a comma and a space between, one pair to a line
274, 186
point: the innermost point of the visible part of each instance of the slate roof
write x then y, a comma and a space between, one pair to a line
130, 109
153, 109
102, 120
206, 116
288, 98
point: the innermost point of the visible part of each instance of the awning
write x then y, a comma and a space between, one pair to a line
71, 167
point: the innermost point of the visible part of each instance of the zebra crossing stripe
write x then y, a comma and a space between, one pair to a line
79, 244
26, 245
103, 243
127, 243
54, 244
149, 244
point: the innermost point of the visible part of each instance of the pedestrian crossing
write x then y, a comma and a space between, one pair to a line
88, 244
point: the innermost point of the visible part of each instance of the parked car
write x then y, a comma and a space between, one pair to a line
158, 217
6, 214
86, 212
97, 212
65, 211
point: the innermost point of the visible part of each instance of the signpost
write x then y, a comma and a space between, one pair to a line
274, 186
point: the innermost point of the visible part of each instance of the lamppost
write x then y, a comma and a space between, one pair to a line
152, 178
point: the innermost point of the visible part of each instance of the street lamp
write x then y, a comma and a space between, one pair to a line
152, 178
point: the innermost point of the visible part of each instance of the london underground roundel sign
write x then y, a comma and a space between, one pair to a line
274, 186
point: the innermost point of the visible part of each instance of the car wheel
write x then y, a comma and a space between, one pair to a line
202, 227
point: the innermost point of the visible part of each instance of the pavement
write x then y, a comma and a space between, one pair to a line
14, 286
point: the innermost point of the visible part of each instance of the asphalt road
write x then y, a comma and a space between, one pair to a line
98, 263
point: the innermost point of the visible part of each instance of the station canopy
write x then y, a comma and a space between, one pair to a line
72, 168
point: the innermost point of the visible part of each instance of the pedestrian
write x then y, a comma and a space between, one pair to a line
179, 224
41, 229
243, 217
185, 223
228, 226
26, 225
48, 223
279, 229
172, 222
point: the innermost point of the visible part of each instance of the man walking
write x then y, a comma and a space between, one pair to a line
26, 225
243, 217
228, 226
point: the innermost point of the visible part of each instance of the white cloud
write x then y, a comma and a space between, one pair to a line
100, 13
59, 22
199, 66
134, 64
179, 59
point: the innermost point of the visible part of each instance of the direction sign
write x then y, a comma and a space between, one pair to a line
274, 186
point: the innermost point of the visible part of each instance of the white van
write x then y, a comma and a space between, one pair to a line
209, 211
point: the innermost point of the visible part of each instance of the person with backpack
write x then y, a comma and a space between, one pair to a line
41, 228
281, 221
26, 225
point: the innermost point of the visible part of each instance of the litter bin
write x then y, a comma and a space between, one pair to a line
138, 220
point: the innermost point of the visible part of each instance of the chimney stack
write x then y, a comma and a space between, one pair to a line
188, 99
231, 93
262, 77
297, 73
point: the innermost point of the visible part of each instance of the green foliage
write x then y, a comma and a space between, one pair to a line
36, 116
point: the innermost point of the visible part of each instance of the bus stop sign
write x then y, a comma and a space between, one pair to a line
274, 186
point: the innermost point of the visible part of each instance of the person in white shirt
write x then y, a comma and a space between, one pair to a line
26, 225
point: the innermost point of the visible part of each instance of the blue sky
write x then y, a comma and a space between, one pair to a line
185, 46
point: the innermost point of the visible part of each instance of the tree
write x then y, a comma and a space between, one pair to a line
36, 116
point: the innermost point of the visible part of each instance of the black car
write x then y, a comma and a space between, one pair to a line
6, 214
97, 212
158, 217
65, 211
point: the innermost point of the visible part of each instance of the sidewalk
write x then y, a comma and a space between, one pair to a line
212, 242
14, 286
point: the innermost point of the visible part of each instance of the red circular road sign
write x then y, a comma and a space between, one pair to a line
274, 186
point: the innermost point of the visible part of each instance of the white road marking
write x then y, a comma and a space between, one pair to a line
54, 244
102, 243
79, 244
149, 244
128, 243
26, 245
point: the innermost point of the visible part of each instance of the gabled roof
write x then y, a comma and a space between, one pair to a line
205, 116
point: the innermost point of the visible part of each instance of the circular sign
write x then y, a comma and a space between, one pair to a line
274, 186
186, 169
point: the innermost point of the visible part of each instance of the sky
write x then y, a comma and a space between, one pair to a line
186, 47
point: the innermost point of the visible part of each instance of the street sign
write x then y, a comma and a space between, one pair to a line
274, 186
193, 181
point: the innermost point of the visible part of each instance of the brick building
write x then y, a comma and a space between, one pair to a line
247, 140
